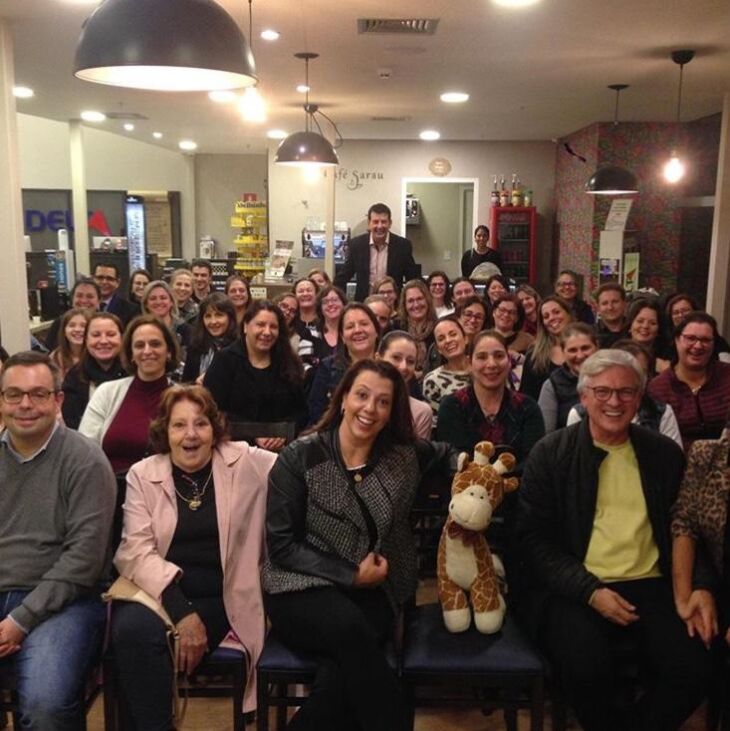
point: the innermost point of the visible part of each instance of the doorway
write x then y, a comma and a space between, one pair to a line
442, 231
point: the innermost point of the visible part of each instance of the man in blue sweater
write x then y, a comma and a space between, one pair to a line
57, 502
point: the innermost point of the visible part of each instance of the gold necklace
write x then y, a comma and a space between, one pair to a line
196, 500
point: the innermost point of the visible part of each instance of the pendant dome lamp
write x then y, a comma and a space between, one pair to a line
611, 179
164, 45
674, 168
308, 148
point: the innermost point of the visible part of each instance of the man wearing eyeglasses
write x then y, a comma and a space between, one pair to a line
108, 280
57, 498
593, 535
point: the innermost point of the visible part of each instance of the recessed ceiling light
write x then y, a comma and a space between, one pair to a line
129, 127
187, 145
277, 134
157, 135
302, 88
222, 97
515, 3
430, 135
91, 116
270, 34
454, 97
23, 92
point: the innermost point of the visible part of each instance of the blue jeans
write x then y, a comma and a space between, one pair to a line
54, 662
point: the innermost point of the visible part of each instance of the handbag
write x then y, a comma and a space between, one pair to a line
124, 590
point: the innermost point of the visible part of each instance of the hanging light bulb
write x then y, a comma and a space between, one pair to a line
674, 168
252, 105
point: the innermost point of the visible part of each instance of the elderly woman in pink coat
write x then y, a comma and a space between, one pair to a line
192, 539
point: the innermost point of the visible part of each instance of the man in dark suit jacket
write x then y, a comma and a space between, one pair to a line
107, 279
378, 253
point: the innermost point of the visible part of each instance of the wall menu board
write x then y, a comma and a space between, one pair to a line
158, 227
134, 215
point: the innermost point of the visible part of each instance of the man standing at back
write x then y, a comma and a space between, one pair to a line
202, 271
108, 280
57, 498
593, 535
378, 253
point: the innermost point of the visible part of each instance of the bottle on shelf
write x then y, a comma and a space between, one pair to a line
495, 193
503, 193
516, 190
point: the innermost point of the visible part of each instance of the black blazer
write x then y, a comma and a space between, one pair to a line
122, 308
400, 264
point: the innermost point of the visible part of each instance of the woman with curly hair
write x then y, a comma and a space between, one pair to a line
417, 317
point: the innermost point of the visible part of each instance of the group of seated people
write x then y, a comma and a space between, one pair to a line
316, 535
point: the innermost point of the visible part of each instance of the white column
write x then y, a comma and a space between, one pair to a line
78, 198
13, 287
187, 212
329, 249
718, 303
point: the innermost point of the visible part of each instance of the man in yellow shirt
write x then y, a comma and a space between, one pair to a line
593, 537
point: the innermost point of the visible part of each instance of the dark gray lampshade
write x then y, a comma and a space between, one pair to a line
306, 148
164, 45
611, 180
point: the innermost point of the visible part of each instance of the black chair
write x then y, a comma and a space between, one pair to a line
221, 674
498, 671
249, 431
280, 667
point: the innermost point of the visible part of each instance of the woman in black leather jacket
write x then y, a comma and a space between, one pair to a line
341, 558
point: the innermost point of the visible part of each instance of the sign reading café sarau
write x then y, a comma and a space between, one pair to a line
355, 179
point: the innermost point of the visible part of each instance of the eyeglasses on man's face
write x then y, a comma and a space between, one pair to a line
604, 393
37, 396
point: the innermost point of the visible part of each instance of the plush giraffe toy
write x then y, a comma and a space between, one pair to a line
465, 562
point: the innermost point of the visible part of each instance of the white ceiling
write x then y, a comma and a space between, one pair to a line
533, 74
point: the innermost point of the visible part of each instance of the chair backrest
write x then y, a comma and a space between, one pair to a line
248, 431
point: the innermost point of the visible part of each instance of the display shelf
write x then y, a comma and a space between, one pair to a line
251, 241
514, 235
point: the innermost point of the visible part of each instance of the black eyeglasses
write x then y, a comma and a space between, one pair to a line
604, 393
37, 396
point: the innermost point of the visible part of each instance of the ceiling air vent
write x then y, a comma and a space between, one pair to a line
399, 26
390, 119
126, 116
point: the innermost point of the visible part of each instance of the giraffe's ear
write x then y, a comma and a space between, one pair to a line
462, 462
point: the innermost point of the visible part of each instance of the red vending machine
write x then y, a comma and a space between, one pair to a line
513, 232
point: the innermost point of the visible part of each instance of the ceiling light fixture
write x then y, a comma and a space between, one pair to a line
277, 134
429, 135
308, 148
187, 145
270, 34
23, 92
222, 96
612, 179
129, 127
157, 135
674, 168
454, 97
164, 45
302, 88
89, 115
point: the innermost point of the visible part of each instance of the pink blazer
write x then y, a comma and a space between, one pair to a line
240, 475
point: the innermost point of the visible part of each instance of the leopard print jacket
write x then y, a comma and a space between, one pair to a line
701, 508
